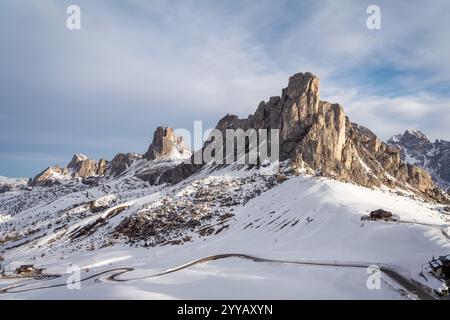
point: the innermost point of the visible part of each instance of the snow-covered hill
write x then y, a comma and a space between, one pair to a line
304, 219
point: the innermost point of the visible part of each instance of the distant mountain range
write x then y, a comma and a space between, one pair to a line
417, 149
10, 184
315, 135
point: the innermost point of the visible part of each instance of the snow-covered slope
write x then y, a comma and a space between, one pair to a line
304, 219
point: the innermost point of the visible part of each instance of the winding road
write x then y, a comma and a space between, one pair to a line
115, 274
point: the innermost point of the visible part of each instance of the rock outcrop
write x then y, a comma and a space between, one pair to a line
165, 151
50, 176
318, 135
311, 130
80, 167
122, 162
417, 149
166, 146
83, 167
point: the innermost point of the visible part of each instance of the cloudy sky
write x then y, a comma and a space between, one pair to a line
138, 64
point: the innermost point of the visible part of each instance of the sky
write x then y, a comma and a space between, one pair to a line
135, 65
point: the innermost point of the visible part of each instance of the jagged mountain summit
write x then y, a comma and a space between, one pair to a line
318, 135
80, 167
83, 167
166, 150
417, 149
166, 145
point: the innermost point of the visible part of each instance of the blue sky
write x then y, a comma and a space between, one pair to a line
139, 64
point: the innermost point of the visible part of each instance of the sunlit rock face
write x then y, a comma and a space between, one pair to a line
318, 135
165, 145
79, 167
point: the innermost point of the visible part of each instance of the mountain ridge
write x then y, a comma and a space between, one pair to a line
314, 134
318, 135
417, 149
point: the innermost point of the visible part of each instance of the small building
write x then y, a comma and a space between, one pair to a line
440, 267
443, 290
381, 214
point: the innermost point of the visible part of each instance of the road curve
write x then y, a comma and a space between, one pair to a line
114, 274
9, 289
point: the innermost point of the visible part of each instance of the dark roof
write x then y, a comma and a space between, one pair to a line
440, 261
435, 264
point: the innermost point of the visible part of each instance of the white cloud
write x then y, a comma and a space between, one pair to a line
388, 116
185, 60
139, 63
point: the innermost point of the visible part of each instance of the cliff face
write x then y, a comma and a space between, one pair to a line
121, 162
79, 167
83, 167
166, 148
166, 145
318, 135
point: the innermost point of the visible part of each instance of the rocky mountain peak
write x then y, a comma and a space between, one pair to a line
83, 167
121, 162
79, 167
413, 145
318, 135
166, 145
302, 82
416, 133
411, 137
77, 159
434, 157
